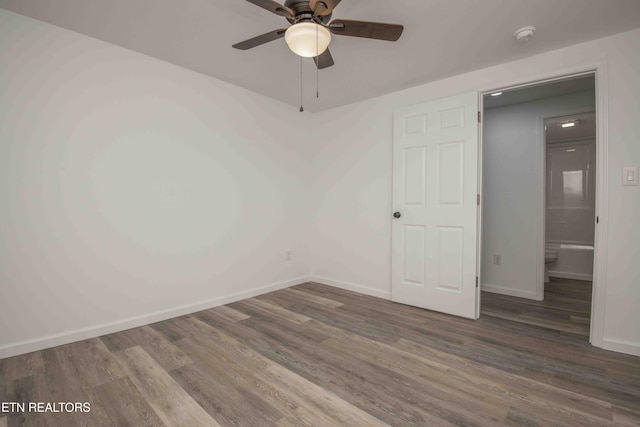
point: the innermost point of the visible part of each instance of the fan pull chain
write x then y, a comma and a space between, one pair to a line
317, 65
301, 109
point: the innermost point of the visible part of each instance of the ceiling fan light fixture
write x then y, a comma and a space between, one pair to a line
307, 39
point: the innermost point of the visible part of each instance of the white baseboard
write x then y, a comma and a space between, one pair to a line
568, 275
14, 349
627, 347
495, 289
361, 289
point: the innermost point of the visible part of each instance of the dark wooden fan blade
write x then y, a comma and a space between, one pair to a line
325, 60
367, 30
261, 39
323, 7
273, 6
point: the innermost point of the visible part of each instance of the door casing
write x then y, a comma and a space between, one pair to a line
599, 71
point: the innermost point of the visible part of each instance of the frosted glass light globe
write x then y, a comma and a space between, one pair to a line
307, 39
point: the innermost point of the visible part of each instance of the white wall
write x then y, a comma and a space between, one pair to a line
352, 192
133, 190
512, 145
351, 244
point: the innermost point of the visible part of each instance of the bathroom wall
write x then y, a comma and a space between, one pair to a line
513, 142
570, 181
570, 195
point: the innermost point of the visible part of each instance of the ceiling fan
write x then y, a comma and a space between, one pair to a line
310, 33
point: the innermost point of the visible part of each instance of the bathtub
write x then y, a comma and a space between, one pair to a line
574, 261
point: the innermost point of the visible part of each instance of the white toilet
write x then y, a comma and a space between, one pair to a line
550, 256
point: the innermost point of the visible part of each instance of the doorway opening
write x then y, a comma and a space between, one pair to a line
539, 149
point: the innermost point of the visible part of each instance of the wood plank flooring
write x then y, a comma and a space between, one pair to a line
314, 355
566, 307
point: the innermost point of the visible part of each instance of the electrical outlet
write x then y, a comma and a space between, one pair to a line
288, 256
497, 259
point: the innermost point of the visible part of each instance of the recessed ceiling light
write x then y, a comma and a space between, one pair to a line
569, 124
496, 94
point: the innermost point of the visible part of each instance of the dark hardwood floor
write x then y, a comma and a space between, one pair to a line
566, 307
316, 355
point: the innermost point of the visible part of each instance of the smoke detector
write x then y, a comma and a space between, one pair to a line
525, 34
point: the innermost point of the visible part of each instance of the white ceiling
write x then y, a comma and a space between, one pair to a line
441, 38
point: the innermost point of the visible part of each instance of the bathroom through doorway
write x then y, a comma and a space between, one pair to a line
539, 179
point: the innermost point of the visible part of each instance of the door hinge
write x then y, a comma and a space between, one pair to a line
597, 220
476, 281
478, 200
479, 117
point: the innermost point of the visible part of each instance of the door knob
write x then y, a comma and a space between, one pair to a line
397, 214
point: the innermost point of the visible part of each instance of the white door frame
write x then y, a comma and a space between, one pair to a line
600, 72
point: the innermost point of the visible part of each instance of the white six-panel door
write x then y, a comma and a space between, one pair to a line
435, 184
